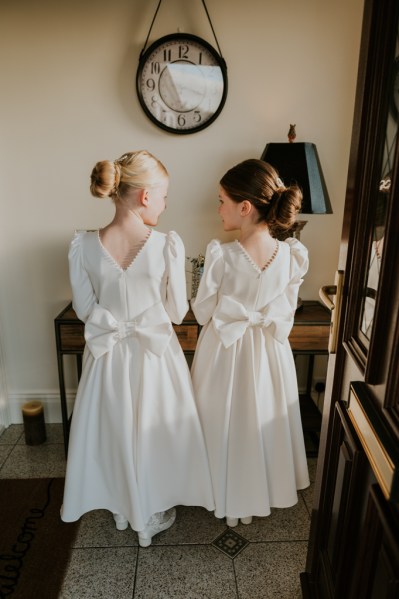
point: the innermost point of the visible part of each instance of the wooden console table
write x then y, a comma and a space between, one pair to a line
309, 336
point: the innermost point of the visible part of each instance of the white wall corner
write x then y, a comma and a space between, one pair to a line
5, 416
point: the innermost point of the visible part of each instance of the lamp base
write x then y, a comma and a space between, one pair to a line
295, 231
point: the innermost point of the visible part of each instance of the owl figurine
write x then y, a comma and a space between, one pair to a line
291, 133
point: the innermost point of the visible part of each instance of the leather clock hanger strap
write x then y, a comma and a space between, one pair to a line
213, 31
155, 16
152, 23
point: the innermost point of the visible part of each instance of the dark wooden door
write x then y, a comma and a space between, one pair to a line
354, 539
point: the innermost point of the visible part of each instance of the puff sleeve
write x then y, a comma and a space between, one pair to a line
207, 296
83, 296
299, 265
281, 311
175, 293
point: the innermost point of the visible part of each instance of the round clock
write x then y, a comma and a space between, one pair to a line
181, 83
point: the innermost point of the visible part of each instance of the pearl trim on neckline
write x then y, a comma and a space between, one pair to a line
253, 263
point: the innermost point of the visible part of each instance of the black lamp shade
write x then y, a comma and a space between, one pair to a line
298, 163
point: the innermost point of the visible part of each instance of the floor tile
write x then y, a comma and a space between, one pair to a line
190, 572
36, 461
12, 434
290, 524
181, 563
5, 451
193, 525
230, 543
97, 529
103, 573
270, 570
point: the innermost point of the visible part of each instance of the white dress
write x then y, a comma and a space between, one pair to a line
245, 381
136, 446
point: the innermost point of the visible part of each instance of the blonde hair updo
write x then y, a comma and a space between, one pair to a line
133, 170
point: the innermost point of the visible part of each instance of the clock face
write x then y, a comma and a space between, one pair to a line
181, 83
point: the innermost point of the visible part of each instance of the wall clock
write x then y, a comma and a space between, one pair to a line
181, 83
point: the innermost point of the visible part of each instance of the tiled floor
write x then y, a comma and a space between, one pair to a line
184, 562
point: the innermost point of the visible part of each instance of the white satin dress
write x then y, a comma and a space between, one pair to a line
136, 446
245, 381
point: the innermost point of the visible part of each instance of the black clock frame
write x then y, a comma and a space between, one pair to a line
180, 37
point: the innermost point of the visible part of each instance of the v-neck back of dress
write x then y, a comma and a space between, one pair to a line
126, 293
252, 262
140, 247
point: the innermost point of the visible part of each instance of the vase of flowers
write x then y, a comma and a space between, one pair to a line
197, 269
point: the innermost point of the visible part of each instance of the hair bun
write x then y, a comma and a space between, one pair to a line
133, 170
104, 179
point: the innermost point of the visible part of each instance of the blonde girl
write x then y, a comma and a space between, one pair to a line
136, 446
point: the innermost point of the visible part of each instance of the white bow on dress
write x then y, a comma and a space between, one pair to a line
231, 319
152, 328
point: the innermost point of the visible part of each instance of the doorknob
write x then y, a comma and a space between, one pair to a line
325, 292
334, 306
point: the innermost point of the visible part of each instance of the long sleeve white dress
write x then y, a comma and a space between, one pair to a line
136, 445
245, 381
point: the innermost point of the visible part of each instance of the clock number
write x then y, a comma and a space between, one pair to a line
183, 51
150, 83
200, 58
181, 121
197, 116
154, 101
155, 68
168, 118
167, 55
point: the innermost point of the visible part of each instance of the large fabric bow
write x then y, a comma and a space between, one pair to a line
152, 328
231, 319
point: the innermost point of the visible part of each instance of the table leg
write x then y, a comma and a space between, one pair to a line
64, 407
310, 374
79, 365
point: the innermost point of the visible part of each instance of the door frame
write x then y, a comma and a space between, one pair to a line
372, 362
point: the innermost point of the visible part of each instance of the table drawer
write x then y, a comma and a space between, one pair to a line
305, 336
72, 337
309, 338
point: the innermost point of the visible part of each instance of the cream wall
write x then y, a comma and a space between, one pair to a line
68, 99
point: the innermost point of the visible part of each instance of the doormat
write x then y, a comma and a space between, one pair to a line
35, 544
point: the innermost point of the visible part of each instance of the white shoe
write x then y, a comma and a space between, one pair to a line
247, 520
120, 522
156, 524
231, 521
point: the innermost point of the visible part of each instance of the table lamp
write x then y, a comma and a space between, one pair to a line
298, 163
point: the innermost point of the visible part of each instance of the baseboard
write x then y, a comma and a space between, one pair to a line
51, 405
5, 417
